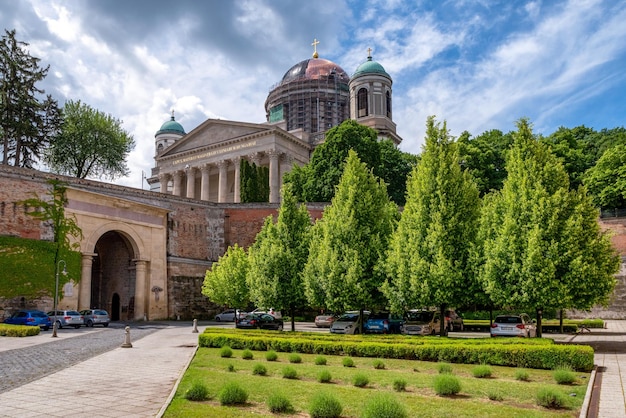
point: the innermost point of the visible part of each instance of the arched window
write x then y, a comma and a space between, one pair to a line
388, 95
362, 103
159, 148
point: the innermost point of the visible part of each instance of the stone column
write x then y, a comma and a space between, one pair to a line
84, 292
274, 176
163, 179
223, 181
141, 292
237, 189
191, 182
204, 182
178, 177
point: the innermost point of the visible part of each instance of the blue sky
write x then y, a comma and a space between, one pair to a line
478, 65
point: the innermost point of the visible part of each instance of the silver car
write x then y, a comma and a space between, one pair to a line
514, 326
67, 318
96, 317
349, 323
227, 315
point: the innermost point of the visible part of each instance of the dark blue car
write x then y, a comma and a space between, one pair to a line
30, 317
383, 323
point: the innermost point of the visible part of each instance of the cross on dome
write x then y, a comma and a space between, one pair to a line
315, 42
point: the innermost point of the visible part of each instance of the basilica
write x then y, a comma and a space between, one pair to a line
313, 96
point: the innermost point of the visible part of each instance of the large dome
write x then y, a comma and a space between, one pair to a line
314, 69
171, 127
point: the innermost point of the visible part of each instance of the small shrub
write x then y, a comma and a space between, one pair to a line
447, 384
230, 368
278, 404
320, 361
197, 392
360, 380
290, 373
347, 362
259, 370
444, 368
379, 364
495, 395
295, 358
384, 406
271, 356
399, 385
550, 398
226, 352
247, 354
324, 377
482, 371
564, 376
325, 406
233, 394
522, 375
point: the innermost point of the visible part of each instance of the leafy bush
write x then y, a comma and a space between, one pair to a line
551, 398
295, 358
384, 406
233, 394
290, 373
320, 361
279, 404
230, 368
564, 375
226, 352
447, 384
324, 377
444, 368
324, 405
259, 370
347, 362
522, 374
495, 395
399, 385
247, 354
360, 380
271, 355
9, 330
197, 392
379, 364
482, 371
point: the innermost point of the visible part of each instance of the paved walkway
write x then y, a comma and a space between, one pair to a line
138, 381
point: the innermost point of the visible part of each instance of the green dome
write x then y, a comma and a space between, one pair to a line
171, 127
370, 67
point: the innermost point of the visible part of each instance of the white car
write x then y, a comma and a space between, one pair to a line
349, 323
271, 311
513, 326
227, 315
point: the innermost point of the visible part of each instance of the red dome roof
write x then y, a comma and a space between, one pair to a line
314, 69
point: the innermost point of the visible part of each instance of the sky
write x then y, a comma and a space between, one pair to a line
477, 65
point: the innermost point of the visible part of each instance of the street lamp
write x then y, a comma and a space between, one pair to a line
56, 294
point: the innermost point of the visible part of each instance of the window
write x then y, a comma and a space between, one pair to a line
388, 107
362, 104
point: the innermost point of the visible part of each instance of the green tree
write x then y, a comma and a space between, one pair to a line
89, 144
606, 180
534, 244
395, 167
278, 256
27, 122
428, 258
572, 148
225, 284
348, 241
254, 183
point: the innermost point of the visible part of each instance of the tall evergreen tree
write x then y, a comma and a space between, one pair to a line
428, 258
278, 256
348, 241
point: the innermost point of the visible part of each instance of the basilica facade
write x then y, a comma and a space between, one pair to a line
313, 96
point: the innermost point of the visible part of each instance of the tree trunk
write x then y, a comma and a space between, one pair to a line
443, 329
561, 321
292, 312
539, 316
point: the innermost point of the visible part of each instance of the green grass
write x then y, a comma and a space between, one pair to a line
511, 398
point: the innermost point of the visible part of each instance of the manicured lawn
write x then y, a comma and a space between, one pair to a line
514, 398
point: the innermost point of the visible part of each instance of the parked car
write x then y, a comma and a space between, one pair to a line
30, 317
270, 311
260, 320
423, 322
349, 322
67, 318
96, 317
383, 323
513, 326
227, 315
455, 321
324, 320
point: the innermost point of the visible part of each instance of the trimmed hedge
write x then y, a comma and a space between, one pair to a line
528, 353
8, 330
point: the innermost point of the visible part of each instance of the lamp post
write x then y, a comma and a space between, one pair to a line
56, 294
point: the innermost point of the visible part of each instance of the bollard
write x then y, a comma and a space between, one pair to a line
127, 343
54, 329
195, 325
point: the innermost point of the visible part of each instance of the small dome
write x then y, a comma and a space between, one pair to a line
314, 69
370, 67
171, 127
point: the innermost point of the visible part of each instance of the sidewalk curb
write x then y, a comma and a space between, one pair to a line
584, 410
